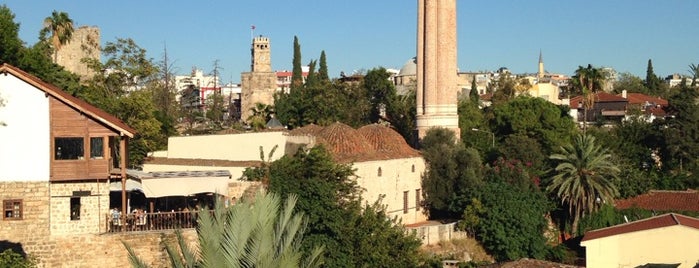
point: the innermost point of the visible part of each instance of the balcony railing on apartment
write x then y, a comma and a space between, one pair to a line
152, 221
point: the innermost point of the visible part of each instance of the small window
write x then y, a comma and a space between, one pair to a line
405, 202
417, 199
379, 172
69, 148
74, 208
13, 209
96, 148
412, 169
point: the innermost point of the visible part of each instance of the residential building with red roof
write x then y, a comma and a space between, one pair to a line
662, 240
662, 201
649, 107
606, 107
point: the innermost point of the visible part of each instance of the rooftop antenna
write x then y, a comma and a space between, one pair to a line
252, 31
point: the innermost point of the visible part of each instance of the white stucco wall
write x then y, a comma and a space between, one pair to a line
234, 147
669, 245
396, 178
25, 137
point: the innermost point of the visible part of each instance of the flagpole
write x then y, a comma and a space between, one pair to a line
252, 32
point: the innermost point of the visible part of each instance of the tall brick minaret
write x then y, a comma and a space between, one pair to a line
436, 66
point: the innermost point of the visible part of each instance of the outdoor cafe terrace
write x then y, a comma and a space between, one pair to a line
163, 200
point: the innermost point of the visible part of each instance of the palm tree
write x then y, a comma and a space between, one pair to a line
257, 232
582, 179
694, 70
261, 113
61, 28
588, 80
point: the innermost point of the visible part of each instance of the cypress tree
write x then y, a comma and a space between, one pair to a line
323, 71
296, 72
652, 81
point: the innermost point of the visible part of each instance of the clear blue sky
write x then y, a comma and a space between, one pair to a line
363, 34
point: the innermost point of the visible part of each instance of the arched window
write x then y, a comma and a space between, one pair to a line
379, 172
412, 169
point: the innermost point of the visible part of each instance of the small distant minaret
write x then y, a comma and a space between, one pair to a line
540, 74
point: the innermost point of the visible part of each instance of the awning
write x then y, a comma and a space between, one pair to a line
131, 185
182, 183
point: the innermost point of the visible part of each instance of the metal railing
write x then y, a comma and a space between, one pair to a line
152, 221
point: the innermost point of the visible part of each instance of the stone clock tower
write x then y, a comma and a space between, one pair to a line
436, 66
258, 85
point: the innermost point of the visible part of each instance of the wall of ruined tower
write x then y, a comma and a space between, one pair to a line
84, 43
94, 205
256, 87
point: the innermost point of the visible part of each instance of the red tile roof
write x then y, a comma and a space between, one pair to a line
387, 141
368, 143
599, 97
639, 98
663, 201
664, 220
78, 104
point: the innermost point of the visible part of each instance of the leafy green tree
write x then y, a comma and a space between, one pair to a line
353, 235
535, 118
583, 177
60, 26
401, 112
257, 232
525, 149
379, 91
125, 89
453, 176
513, 221
471, 117
630, 83
503, 88
10, 44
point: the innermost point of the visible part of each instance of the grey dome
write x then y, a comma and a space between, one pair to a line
409, 68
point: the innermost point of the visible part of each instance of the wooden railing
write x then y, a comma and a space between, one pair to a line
152, 221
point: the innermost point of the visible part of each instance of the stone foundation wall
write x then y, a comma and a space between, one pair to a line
93, 198
107, 250
33, 228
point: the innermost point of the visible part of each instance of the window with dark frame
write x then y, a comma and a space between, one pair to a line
12, 209
96, 148
379, 172
405, 202
69, 148
417, 199
74, 208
